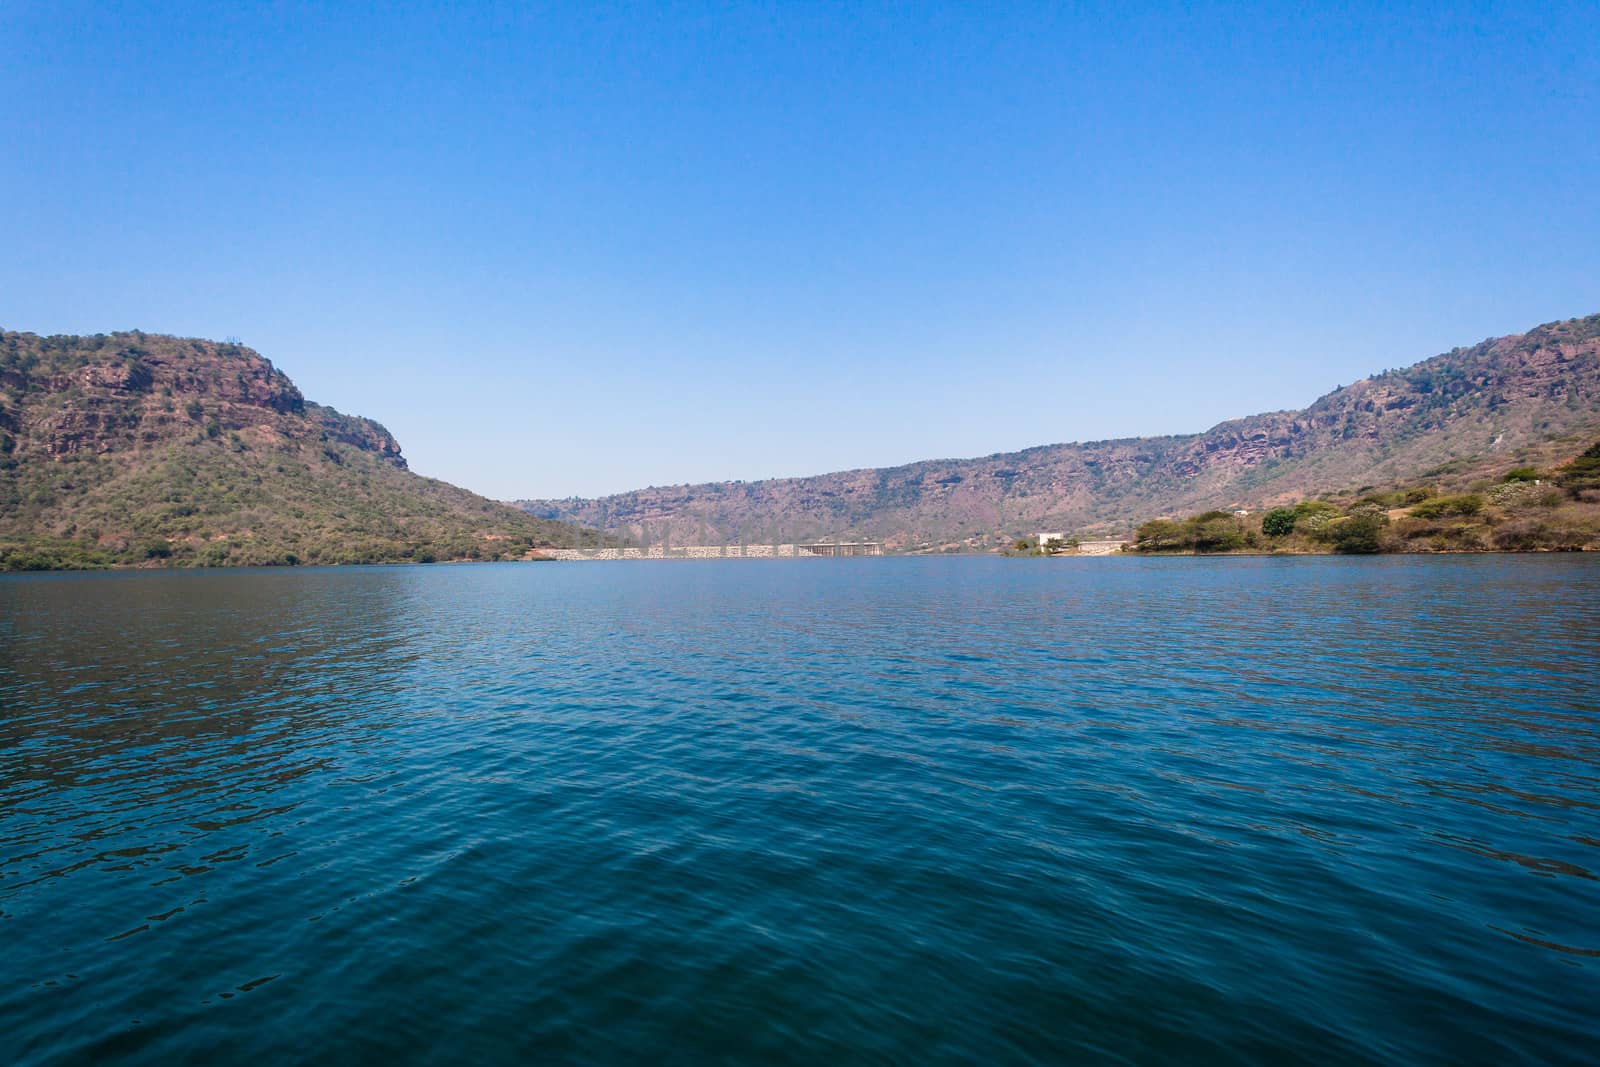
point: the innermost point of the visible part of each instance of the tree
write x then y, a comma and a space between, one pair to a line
1357, 533
1279, 522
1158, 534
1215, 531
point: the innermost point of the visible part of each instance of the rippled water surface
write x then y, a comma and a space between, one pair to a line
874, 811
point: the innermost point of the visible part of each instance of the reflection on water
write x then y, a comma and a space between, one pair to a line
877, 811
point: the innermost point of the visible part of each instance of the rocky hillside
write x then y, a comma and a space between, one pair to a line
1532, 397
135, 448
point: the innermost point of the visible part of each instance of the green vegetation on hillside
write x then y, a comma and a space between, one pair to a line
222, 502
1525, 510
131, 449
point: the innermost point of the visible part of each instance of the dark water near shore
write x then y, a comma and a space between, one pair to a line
884, 811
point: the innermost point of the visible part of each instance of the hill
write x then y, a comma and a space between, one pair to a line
1528, 398
1525, 509
132, 448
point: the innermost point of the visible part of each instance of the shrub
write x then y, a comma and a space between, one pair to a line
1279, 522
1557, 533
53, 555
1360, 533
19, 560
1211, 531
1409, 527
1460, 539
1314, 515
1215, 531
1581, 474
1521, 474
1464, 504
1158, 535
1391, 499
1525, 495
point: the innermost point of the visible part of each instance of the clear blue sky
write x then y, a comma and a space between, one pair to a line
574, 249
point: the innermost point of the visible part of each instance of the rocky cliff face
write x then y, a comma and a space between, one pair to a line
132, 448
1527, 396
65, 395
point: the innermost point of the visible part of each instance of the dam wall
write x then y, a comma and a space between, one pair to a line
676, 552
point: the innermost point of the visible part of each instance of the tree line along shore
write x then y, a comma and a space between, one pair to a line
1524, 510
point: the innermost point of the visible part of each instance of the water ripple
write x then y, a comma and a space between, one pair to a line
886, 811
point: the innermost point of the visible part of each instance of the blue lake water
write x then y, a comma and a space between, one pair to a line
878, 811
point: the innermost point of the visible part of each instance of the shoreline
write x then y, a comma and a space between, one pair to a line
1171, 554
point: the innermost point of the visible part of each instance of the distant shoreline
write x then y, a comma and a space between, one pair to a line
123, 568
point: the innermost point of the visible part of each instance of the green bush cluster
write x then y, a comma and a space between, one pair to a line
1523, 510
1211, 531
53, 555
1308, 516
1279, 522
1582, 474
208, 503
1438, 507
1357, 533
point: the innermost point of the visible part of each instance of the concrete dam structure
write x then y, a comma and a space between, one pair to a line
818, 550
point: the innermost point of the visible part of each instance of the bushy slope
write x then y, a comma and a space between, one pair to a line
1525, 509
128, 448
1531, 397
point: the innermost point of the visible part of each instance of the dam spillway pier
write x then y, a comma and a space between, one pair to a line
814, 550
842, 548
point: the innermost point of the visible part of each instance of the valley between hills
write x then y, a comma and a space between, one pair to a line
134, 449
1454, 420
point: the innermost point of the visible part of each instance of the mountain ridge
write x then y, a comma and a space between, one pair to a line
1526, 396
133, 448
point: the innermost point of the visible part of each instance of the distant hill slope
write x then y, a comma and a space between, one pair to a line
1524, 397
131, 447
